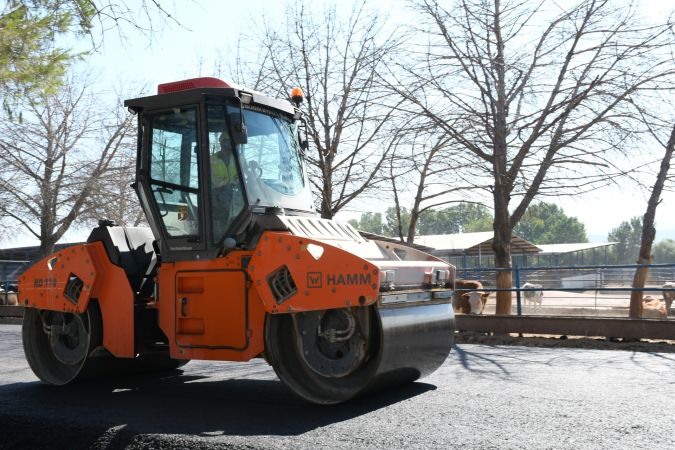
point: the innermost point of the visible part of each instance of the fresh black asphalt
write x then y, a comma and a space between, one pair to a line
484, 397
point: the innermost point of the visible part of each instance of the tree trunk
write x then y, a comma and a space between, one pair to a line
649, 231
502, 248
46, 246
326, 206
414, 217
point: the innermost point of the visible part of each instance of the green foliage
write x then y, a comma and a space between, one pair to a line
369, 222
480, 224
543, 223
628, 235
455, 219
463, 217
30, 60
664, 251
546, 223
391, 225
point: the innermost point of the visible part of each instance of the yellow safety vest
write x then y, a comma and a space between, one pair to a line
223, 173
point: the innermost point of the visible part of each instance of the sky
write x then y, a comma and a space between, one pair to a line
210, 28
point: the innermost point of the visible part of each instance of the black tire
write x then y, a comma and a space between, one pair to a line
62, 359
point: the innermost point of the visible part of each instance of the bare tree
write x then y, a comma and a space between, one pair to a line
112, 197
539, 109
335, 61
427, 164
648, 228
54, 158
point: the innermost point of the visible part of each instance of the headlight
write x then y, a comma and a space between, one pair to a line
388, 280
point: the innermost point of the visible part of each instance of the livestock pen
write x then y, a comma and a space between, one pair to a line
598, 291
576, 300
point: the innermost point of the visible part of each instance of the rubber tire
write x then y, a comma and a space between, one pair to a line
39, 353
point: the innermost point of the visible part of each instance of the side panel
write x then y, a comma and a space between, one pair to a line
224, 318
44, 286
116, 300
211, 309
322, 275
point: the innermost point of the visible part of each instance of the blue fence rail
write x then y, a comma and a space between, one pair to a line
607, 285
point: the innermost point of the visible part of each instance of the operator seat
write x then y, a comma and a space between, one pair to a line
132, 249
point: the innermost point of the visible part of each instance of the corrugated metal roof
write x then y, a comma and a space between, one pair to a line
379, 237
471, 243
551, 249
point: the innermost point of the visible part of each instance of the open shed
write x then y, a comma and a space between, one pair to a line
472, 249
579, 254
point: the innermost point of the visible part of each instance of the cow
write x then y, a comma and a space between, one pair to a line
466, 299
668, 296
535, 297
8, 298
653, 308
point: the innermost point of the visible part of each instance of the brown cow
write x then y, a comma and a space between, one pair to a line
466, 300
653, 308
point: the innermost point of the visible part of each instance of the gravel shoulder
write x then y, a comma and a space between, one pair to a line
529, 340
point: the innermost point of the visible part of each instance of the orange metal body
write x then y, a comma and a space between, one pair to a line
216, 309
42, 286
333, 279
208, 311
212, 309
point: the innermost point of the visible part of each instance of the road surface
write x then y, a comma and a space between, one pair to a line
484, 397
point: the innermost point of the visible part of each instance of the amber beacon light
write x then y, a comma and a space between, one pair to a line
297, 96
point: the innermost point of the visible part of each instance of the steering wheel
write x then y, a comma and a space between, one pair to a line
254, 169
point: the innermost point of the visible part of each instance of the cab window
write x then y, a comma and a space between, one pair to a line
226, 193
174, 174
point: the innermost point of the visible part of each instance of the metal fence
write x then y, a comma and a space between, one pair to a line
601, 290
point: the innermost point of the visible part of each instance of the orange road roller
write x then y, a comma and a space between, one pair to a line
236, 264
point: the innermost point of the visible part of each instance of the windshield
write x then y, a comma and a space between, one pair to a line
271, 162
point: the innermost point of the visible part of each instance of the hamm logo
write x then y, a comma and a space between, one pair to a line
314, 279
349, 279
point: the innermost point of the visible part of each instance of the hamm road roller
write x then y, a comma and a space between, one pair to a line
236, 264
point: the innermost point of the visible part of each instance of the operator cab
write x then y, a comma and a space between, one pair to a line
217, 164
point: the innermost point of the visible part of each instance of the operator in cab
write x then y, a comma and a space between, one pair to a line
226, 197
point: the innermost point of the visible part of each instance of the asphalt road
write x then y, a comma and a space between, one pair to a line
484, 397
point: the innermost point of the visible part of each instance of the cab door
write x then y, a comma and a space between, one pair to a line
169, 181
211, 309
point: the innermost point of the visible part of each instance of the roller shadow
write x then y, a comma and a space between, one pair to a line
117, 411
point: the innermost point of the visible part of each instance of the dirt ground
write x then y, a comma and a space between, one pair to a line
566, 303
601, 343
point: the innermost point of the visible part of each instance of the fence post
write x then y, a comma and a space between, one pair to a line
518, 304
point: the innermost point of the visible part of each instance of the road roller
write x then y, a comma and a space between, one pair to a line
236, 264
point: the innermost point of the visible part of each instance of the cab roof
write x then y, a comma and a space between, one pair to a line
195, 90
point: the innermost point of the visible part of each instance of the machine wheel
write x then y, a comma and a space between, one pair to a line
325, 357
57, 344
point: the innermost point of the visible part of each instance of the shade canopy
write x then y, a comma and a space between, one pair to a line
472, 244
